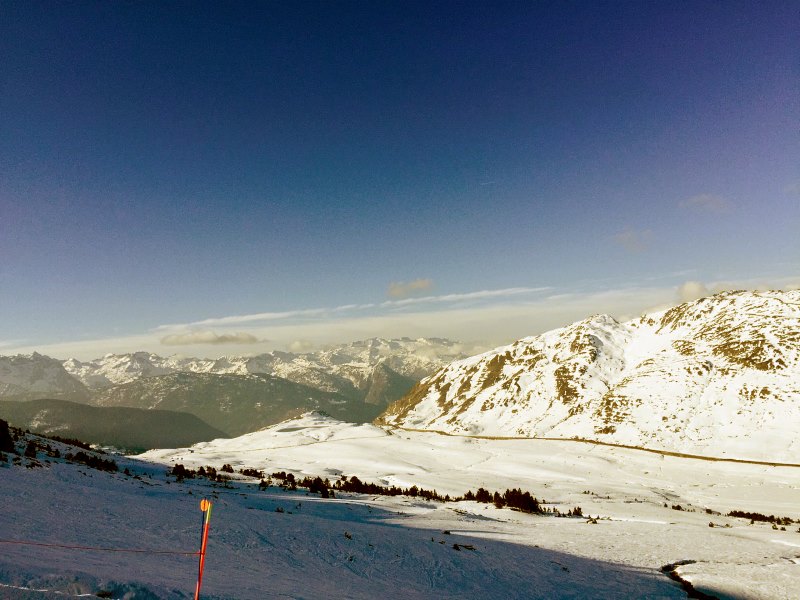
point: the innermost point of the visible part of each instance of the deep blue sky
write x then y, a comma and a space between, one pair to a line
171, 163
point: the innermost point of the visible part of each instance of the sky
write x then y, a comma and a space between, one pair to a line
219, 178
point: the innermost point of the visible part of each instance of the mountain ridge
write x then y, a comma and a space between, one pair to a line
718, 375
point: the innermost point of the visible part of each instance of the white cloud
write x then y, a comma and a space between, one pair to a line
469, 296
190, 338
401, 289
692, 290
239, 319
480, 319
9, 343
323, 313
633, 240
706, 203
507, 317
301, 346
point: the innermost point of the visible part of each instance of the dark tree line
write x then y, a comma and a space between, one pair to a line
515, 498
754, 516
95, 462
71, 442
355, 485
180, 473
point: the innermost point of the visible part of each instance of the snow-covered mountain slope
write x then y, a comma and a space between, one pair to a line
277, 544
413, 358
282, 544
115, 369
34, 376
719, 376
315, 444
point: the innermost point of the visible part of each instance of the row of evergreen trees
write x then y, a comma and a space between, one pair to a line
518, 500
515, 498
93, 461
180, 473
754, 516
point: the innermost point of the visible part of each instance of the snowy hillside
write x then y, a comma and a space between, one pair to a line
719, 376
279, 544
656, 511
119, 368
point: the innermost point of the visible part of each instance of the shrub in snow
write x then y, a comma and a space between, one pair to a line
250, 472
180, 472
30, 449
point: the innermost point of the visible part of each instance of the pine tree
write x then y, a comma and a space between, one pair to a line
6, 443
30, 449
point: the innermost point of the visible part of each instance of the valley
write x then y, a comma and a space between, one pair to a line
228, 395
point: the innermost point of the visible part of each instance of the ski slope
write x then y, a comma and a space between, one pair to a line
358, 546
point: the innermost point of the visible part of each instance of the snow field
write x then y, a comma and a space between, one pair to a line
359, 546
628, 486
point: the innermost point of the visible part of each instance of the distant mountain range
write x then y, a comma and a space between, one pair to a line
238, 394
719, 376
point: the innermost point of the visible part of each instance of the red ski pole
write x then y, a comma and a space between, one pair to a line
205, 506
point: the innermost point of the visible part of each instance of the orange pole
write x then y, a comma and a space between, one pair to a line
205, 506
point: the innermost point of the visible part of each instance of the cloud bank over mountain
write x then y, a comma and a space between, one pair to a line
191, 338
